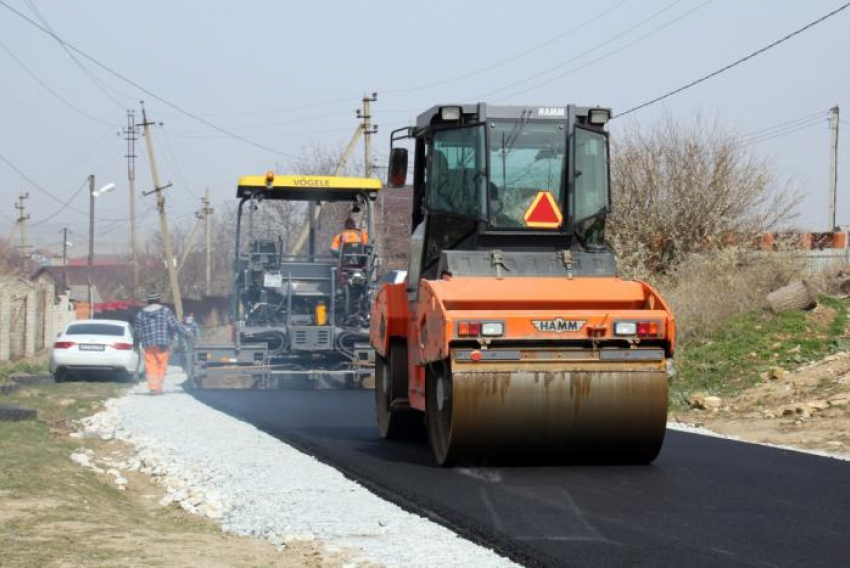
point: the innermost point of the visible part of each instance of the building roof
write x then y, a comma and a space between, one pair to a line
111, 282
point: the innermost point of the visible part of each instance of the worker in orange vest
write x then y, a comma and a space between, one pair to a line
351, 234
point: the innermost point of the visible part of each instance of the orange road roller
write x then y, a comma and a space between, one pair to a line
512, 335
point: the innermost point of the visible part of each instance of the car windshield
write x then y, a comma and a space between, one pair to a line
526, 158
95, 329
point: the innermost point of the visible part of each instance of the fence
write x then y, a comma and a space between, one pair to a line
826, 260
30, 317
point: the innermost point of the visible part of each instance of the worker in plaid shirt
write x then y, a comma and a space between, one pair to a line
156, 325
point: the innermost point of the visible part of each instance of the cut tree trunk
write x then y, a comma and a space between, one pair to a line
798, 295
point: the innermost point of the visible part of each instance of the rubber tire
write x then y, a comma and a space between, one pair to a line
15, 413
390, 383
439, 420
9, 388
60, 375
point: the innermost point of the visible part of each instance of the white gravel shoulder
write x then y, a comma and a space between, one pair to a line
253, 484
693, 429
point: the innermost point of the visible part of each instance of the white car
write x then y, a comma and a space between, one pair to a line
87, 347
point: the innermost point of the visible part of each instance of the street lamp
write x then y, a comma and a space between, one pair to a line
92, 194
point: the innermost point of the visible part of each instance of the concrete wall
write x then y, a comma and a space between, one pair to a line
30, 317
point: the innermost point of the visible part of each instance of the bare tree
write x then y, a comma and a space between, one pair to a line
12, 263
679, 189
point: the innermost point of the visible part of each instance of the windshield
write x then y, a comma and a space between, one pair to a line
591, 186
525, 158
456, 172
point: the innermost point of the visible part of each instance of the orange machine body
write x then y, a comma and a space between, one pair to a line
549, 323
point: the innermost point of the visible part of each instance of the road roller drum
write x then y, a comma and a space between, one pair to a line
611, 414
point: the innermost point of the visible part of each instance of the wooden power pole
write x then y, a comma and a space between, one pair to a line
208, 242
21, 221
833, 165
65, 231
163, 218
91, 247
368, 131
130, 137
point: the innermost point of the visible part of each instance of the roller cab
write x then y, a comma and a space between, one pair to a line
514, 336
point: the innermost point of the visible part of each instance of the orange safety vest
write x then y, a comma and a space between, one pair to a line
349, 236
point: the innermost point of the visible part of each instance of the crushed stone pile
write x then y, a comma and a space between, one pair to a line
214, 465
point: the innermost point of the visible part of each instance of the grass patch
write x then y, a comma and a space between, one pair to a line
54, 512
27, 366
733, 358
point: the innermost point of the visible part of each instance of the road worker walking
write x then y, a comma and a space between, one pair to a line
156, 326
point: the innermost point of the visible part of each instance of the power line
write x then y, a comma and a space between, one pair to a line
145, 90
793, 121
49, 89
171, 158
781, 133
513, 58
44, 191
735, 63
580, 55
95, 81
197, 134
62, 207
276, 110
615, 51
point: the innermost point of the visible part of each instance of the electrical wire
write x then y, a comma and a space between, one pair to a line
781, 133
735, 63
171, 157
144, 89
511, 59
597, 47
44, 191
95, 81
793, 121
196, 134
62, 99
61, 208
615, 51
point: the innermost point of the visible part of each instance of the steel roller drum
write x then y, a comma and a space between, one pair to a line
617, 413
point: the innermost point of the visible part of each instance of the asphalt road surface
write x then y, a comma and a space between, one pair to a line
704, 502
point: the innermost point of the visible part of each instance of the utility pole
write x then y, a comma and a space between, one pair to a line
163, 218
91, 246
833, 165
368, 130
208, 229
364, 129
21, 221
130, 137
65, 231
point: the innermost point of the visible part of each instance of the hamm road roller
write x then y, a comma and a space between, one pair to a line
513, 335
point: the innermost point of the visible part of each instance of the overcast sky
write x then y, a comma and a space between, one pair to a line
288, 76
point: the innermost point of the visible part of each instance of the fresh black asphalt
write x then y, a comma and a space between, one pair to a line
704, 502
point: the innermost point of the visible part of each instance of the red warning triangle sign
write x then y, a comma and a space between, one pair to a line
543, 213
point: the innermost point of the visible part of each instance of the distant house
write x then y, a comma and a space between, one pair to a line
111, 288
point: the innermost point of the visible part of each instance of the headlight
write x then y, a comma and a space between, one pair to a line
625, 328
493, 329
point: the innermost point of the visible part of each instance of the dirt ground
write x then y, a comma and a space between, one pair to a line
54, 512
807, 407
